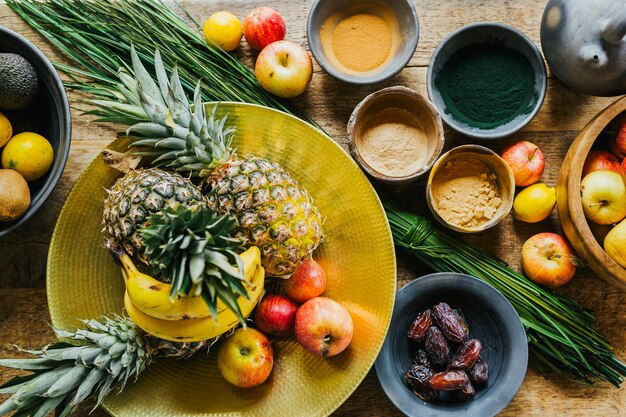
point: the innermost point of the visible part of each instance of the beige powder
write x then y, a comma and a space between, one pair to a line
466, 192
393, 143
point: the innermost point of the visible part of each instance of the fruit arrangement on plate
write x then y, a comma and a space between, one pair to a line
197, 231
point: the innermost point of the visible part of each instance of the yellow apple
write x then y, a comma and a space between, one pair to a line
284, 68
604, 197
245, 358
615, 243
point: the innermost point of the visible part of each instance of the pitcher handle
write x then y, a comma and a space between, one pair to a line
615, 30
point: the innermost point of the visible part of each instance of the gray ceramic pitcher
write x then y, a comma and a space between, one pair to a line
584, 42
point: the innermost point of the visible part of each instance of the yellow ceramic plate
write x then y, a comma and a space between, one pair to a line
357, 254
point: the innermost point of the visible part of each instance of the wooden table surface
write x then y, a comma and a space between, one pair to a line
23, 310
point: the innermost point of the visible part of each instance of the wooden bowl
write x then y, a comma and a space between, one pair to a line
400, 98
569, 202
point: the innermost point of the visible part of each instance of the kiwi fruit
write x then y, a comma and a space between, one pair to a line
14, 195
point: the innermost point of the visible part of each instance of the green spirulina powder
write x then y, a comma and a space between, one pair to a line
487, 85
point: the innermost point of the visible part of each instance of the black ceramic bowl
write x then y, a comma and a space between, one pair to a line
48, 114
490, 317
496, 34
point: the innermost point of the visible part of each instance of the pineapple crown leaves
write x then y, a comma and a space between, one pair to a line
105, 354
177, 133
193, 248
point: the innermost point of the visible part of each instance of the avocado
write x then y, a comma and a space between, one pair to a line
18, 81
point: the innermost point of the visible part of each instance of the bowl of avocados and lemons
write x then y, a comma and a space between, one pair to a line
35, 118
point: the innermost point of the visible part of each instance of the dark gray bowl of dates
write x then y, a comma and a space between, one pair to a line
455, 347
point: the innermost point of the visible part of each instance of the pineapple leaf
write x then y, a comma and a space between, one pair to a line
160, 73
193, 248
63, 371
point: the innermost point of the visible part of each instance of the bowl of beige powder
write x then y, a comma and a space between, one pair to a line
470, 189
395, 134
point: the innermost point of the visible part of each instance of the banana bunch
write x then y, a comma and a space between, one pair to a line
185, 319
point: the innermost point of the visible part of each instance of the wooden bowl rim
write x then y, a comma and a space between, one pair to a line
574, 200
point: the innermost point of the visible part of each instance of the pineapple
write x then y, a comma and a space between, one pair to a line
272, 210
163, 220
106, 354
137, 195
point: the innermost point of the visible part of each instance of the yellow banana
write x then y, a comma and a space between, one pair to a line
195, 330
152, 296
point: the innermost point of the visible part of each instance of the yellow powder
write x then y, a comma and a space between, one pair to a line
466, 192
393, 143
362, 42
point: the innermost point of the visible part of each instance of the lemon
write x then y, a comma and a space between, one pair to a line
29, 154
6, 131
224, 30
534, 203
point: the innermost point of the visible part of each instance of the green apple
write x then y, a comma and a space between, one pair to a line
604, 197
615, 243
245, 358
284, 68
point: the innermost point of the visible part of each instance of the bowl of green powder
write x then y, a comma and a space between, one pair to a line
488, 80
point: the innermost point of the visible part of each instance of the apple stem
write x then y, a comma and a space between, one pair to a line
602, 203
283, 61
530, 158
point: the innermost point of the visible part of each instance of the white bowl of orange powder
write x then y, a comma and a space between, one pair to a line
361, 41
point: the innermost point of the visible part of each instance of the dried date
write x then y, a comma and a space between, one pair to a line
466, 355
437, 349
451, 325
448, 381
417, 379
419, 328
479, 373
460, 315
465, 393
422, 359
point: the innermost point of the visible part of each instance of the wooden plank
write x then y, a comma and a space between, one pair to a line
23, 252
23, 312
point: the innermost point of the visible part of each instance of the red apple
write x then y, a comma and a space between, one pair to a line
526, 161
263, 26
284, 68
307, 281
245, 358
618, 144
276, 315
323, 326
599, 160
548, 259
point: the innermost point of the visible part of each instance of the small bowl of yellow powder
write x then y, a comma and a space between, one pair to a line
362, 41
396, 135
470, 189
